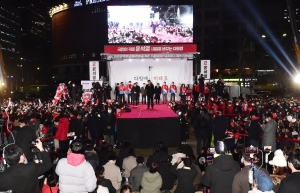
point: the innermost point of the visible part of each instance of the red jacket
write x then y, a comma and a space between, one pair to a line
197, 89
174, 88
129, 87
62, 129
183, 90
122, 88
229, 109
164, 87
206, 90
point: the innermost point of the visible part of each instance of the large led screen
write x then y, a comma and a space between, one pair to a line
150, 24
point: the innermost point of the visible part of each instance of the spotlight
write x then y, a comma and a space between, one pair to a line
130, 60
157, 59
297, 79
263, 36
283, 35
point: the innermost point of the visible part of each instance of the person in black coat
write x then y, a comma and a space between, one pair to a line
104, 182
76, 125
135, 94
109, 126
150, 92
201, 129
117, 92
157, 91
25, 136
167, 176
291, 183
107, 90
95, 126
220, 126
219, 175
185, 175
20, 177
254, 131
155, 157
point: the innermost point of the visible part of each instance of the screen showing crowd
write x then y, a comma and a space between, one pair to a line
150, 24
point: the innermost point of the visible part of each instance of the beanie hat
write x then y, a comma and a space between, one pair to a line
278, 159
264, 182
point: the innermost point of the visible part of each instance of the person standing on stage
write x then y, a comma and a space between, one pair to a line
129, 93
107, 89
173, 91
183, 92
150, 93
117, 92
139, 91
135, 95
144, 93
122, 93
196, 91
157, 91
164, 91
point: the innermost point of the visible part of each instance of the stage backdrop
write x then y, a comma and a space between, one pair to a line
178, 71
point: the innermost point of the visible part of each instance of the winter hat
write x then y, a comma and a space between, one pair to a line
278, 159
264, 182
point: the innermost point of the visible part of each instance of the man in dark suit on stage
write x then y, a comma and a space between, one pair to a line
150, 93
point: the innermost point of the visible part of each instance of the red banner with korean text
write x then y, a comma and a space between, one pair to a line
144, 49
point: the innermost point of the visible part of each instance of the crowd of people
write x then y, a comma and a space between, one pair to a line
133, 33
71, 146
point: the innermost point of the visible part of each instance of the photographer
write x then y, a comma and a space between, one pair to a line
20, 177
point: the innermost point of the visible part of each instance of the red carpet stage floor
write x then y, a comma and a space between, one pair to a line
145, 127
159, 111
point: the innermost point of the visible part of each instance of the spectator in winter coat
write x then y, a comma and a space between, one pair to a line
155, 157
129, 163
76, 175
220, 174
220, 126
185, 175
254, 131
90, 155
167, 176
137, 173
61, 135
100, 171
151, 181
112, 172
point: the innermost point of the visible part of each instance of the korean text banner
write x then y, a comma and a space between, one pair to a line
205, 68
136, 49
94, 70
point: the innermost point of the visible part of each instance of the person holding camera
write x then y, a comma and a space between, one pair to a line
219, 175
21, 177
185, 175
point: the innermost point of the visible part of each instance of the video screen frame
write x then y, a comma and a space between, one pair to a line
150, 24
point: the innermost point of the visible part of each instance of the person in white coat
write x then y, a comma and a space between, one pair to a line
129, 163
76, 175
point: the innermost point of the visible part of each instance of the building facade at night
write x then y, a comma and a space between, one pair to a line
223, 31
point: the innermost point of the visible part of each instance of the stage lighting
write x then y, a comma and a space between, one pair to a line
297, 79
130, 60
283, 35
157, 60
263, 36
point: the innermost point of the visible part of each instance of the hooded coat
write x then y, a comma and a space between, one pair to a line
219, 176
76, 175
151, 182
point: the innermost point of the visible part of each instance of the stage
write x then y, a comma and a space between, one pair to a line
145, 127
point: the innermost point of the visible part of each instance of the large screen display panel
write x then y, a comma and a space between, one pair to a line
150, 24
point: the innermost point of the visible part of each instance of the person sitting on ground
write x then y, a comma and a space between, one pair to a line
137, 173
90, 155
75, 173
51, 184
151, 180
124, 151
100, 171
219, 175
113, 172
100, 187
163, 148
185, 175
279, 164
262, 183
167, 176
129, 163
126, 189
155, 157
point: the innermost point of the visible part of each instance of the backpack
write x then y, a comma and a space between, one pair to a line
202, 123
